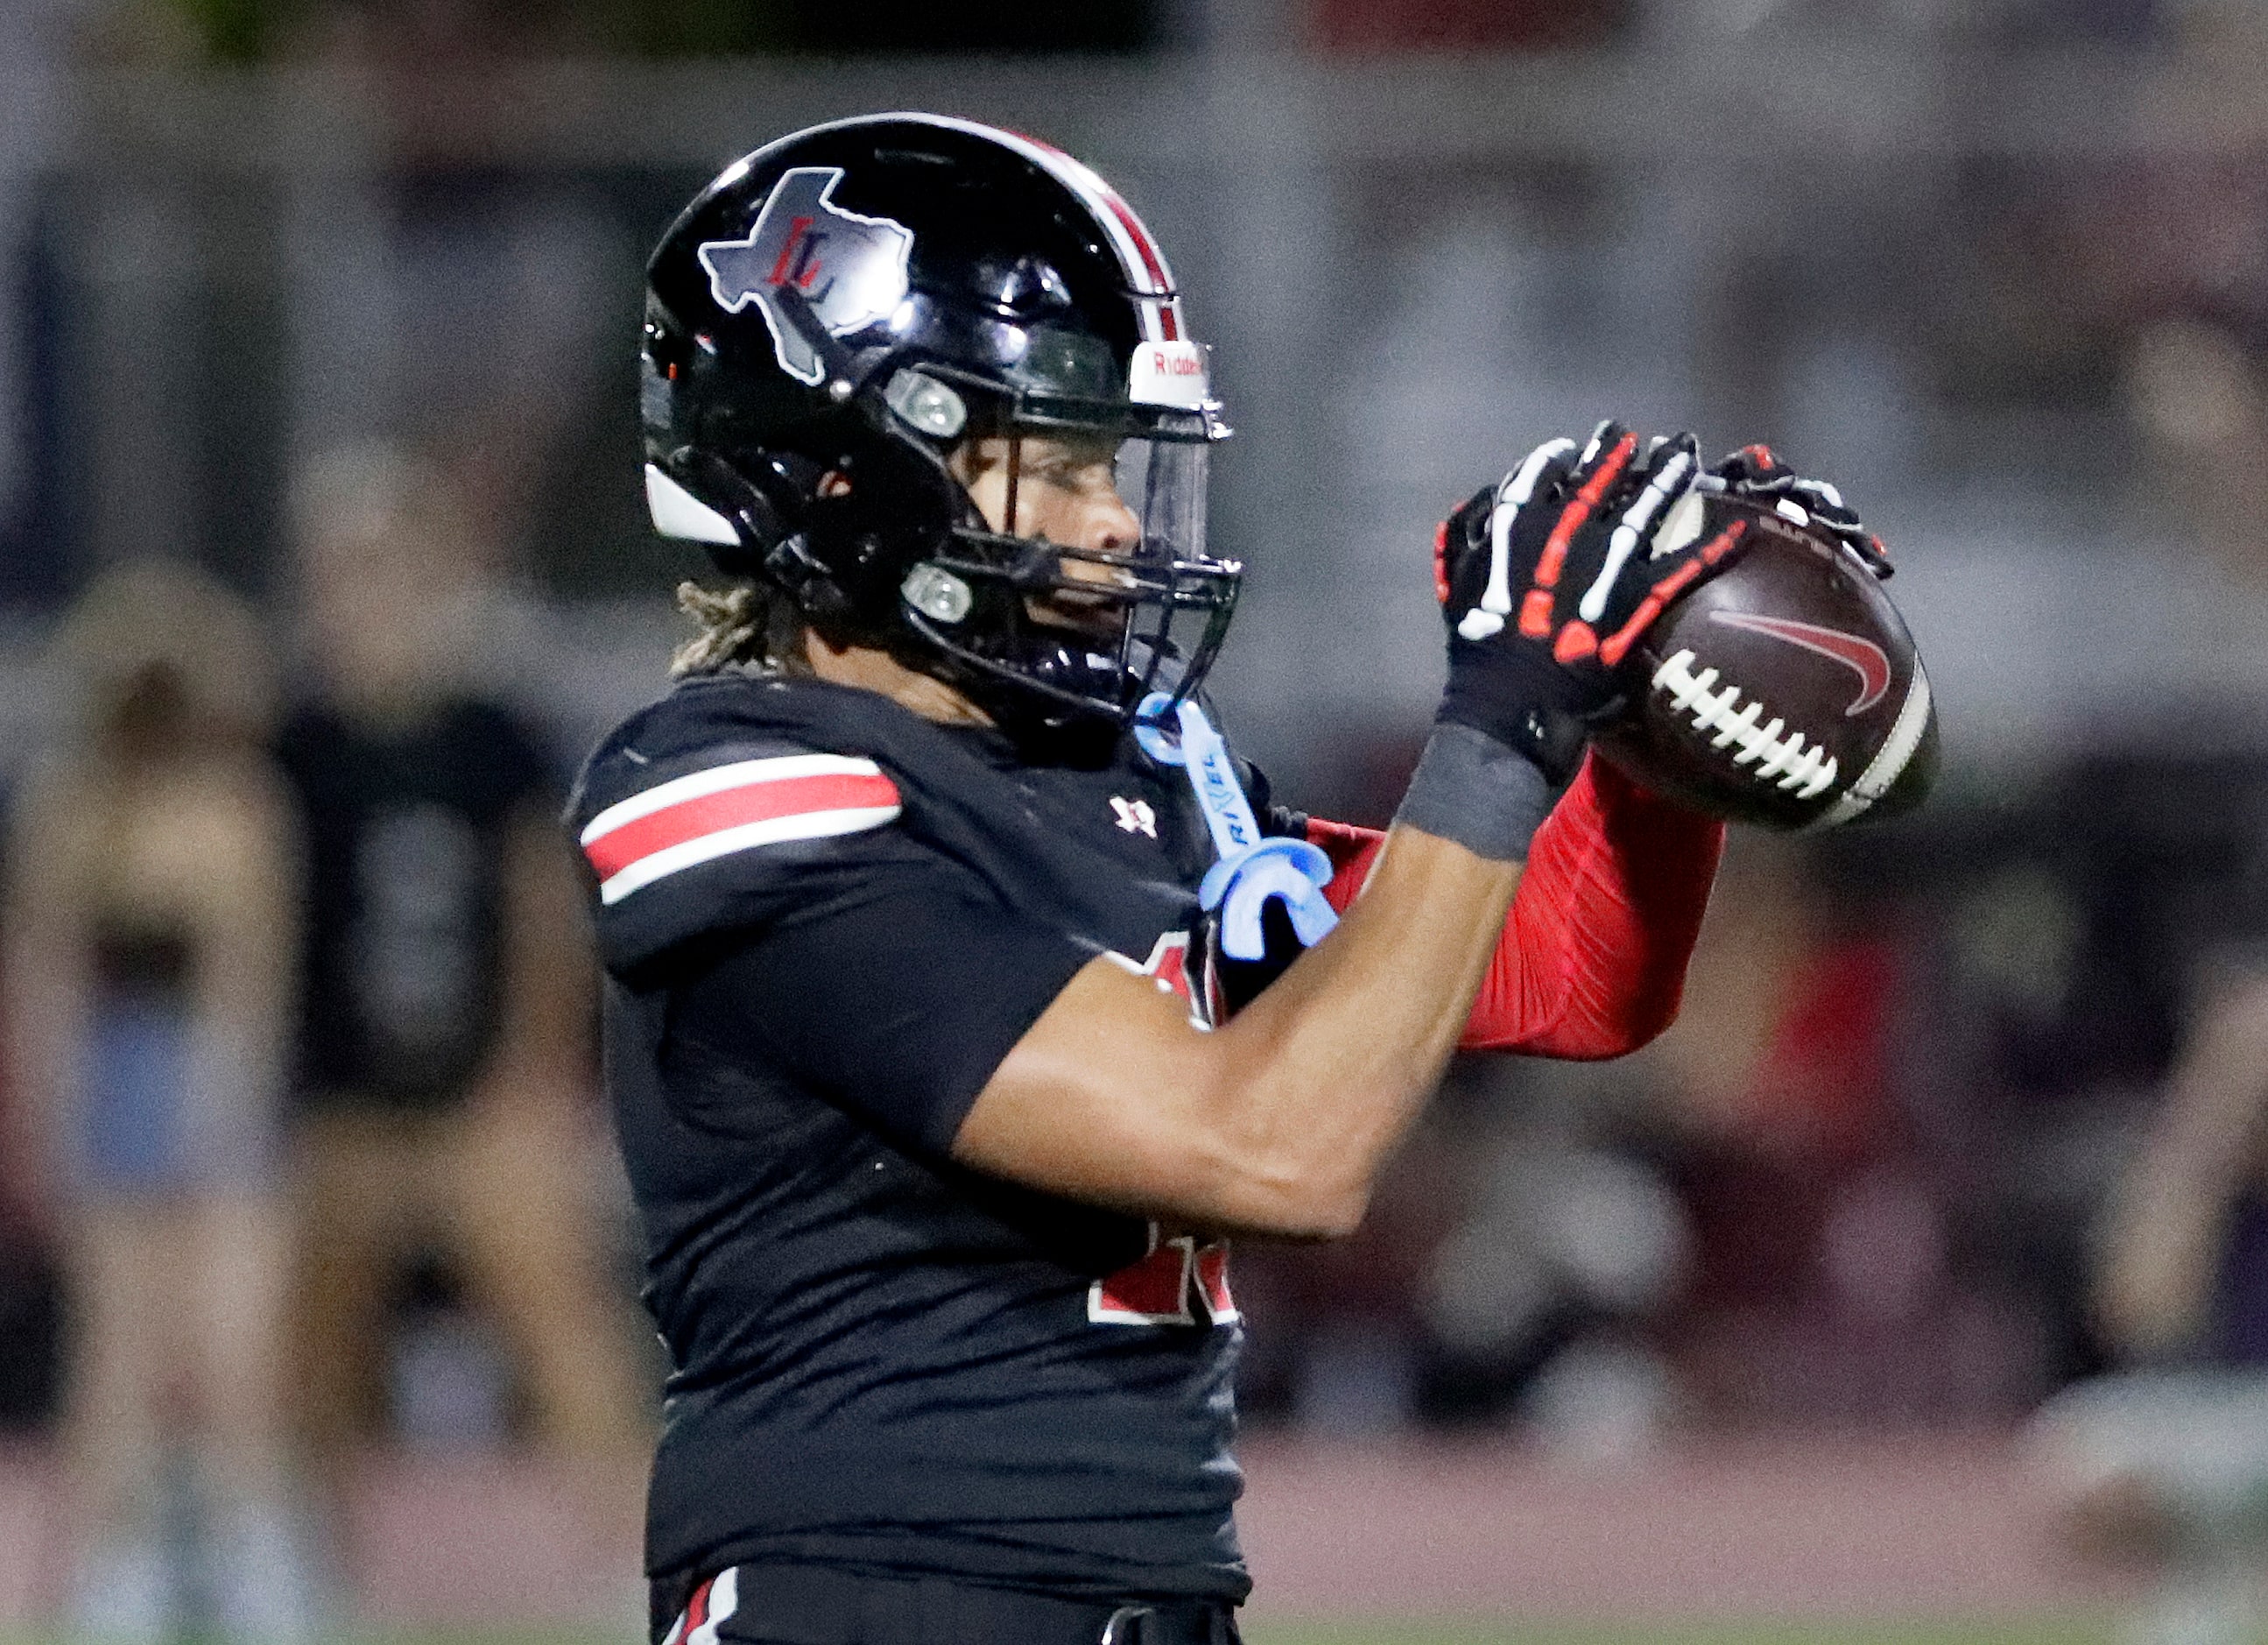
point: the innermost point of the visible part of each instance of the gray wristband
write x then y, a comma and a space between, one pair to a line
1468, 787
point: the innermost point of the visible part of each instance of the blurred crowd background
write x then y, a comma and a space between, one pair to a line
323, 559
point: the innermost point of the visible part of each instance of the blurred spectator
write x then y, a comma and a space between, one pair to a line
1780, 1214
2198, 397
1547, 1296
1831, 1278
2063, 989
148, 990
2164, 1458
2182, 1272
445, 1044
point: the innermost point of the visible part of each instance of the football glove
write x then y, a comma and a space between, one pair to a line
1753, 473
1548, 578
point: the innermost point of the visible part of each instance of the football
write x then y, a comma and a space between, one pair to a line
1785, 691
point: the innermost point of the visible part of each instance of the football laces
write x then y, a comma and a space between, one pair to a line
1789, 761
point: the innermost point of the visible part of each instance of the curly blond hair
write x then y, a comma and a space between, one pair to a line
742, 625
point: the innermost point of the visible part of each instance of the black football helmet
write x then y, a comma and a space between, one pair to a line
856, 300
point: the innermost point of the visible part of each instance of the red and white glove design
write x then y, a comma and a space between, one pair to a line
1548, 579
1755, 474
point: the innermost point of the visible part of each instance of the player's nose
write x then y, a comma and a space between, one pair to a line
1110, 526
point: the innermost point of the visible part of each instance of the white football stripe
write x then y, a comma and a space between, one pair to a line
1885, 769
805, 825
717, 779
1681, 526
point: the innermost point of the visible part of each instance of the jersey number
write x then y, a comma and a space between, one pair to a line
1178, 1275
1168, 1287
1168, 966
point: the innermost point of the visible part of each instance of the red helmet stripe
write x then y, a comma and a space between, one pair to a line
1088, 184
1152, 259
1139, 255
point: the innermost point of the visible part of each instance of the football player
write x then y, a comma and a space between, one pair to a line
965, 991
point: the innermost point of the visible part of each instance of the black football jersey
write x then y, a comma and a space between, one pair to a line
407, 831
825, 920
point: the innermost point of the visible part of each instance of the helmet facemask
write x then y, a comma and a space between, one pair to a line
1063, 614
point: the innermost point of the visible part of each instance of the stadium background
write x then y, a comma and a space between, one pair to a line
1742, 1338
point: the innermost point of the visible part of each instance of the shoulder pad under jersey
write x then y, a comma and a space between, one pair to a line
721, 806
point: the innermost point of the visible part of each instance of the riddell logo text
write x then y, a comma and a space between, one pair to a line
1167, 364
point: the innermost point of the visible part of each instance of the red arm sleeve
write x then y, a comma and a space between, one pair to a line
1592, 961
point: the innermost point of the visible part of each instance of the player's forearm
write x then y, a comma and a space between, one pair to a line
1278, 1123
1319, 1078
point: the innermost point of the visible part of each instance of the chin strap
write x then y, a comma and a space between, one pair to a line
1252, 869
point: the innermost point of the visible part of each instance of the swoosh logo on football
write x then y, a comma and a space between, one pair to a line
1862, 656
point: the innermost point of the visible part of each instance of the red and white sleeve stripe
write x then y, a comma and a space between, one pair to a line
697, 818
711, 1605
